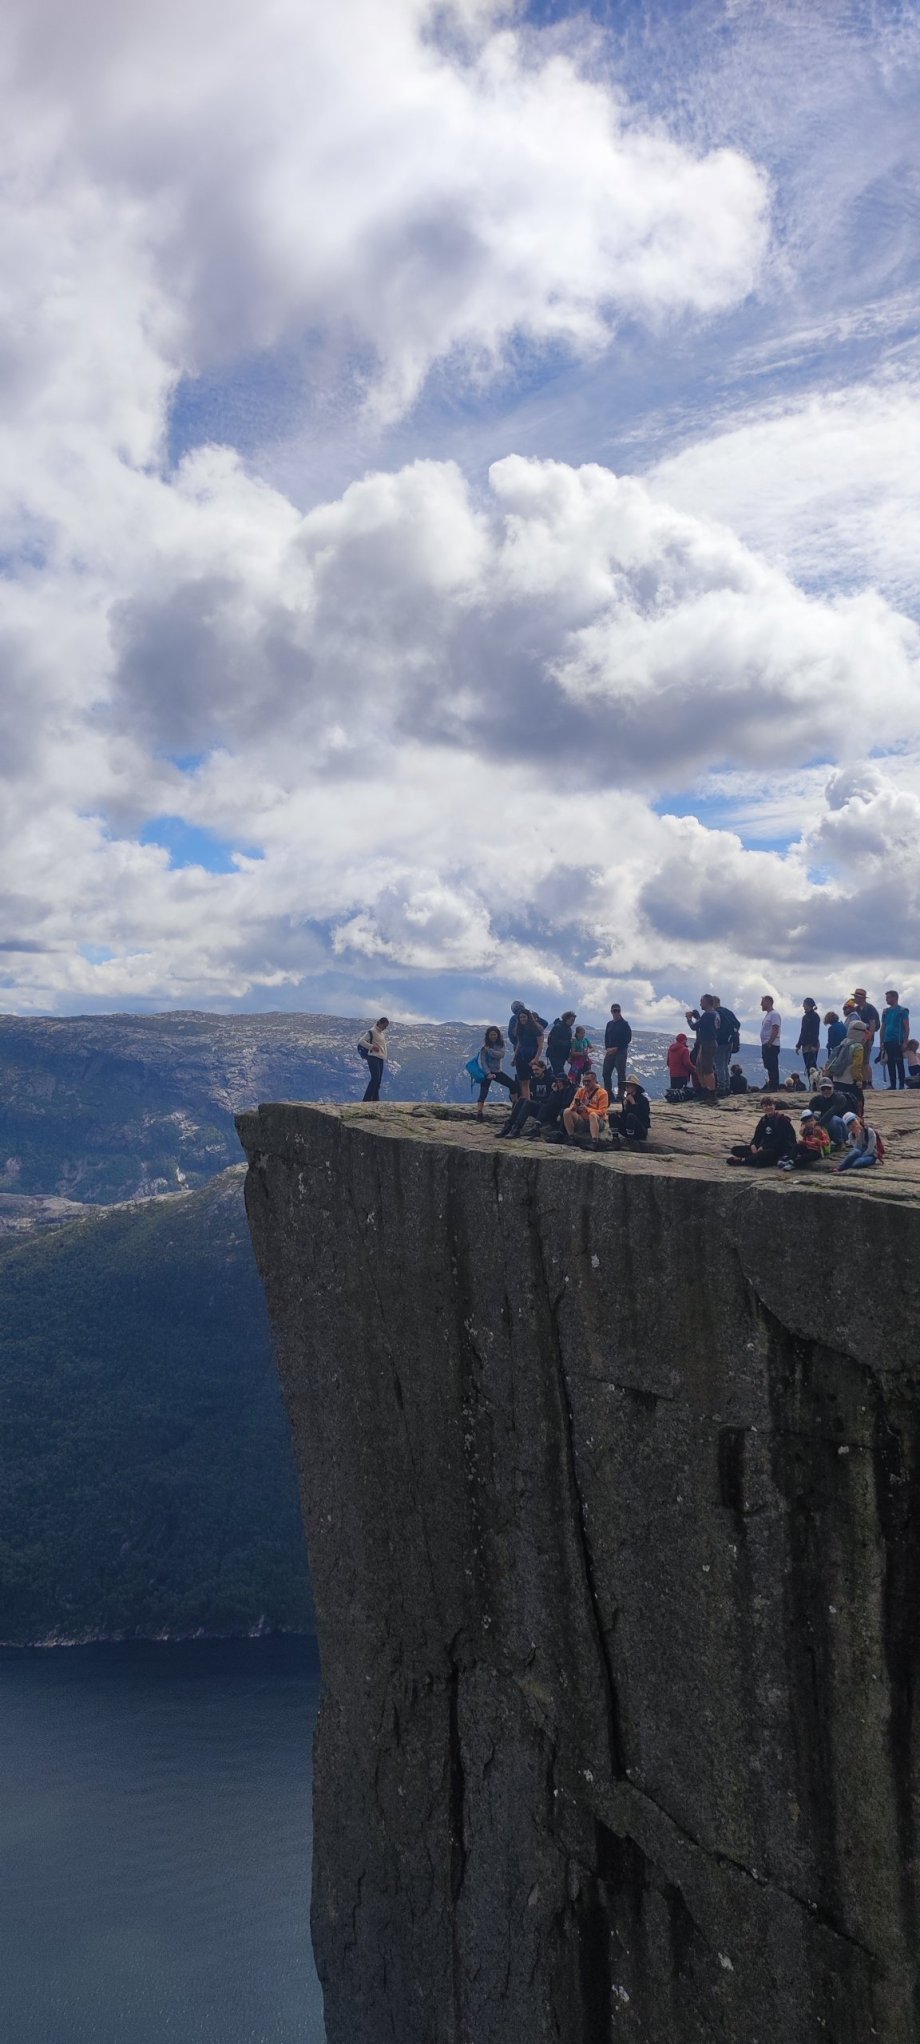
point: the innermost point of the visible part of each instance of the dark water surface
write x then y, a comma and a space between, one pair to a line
155, 1844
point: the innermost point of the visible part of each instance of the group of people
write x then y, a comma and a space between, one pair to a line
830, 1123
554, 1089
704, 1068
553, 1086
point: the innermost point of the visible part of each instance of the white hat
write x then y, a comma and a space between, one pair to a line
807, 1114
851, 1117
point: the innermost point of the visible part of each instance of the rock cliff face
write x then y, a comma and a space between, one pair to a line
612, 1480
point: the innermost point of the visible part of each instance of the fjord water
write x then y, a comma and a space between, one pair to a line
155, 1844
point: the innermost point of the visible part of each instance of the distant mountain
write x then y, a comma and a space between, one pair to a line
110, 1107
146, 1474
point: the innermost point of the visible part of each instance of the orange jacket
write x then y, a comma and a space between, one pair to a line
598, 1103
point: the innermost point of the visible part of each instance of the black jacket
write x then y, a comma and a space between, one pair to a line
618, 1034
728, 1034
559, 1042
775, 1134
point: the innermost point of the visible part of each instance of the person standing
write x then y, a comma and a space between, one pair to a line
895, 1026
617, 1039
705, 1020
559, 1040
679, 1063
376, 1056
528, 1045
836, 1030
809, 1042
770, 1032
491, 1057
728, 1042
872, 1019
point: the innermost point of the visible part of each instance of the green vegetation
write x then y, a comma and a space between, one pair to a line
146, 1475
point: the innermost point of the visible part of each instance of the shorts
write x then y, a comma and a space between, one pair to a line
706, 1060
523, 1062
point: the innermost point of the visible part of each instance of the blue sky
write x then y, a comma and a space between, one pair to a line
462, 492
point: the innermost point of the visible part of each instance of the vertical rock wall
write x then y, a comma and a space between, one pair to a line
612, 1486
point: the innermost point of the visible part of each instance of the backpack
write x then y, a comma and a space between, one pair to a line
475, 1070
363, 1049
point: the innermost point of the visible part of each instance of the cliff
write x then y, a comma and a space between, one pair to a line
611, 1470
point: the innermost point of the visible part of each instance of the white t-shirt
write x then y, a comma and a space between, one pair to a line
767, 1025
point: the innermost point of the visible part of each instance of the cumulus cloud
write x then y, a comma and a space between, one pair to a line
435, 720
215, 181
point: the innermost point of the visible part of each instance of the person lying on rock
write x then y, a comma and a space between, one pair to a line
588, 1109
772, 1143
634, 1120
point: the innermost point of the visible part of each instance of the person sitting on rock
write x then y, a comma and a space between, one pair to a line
588, 1109
830, 1106
773, 1141
814, 1143
679, 1063
550, 1093
634, 1120
913, 1063
794, 1084
540, 1081
737, 1082
862, 1144
490, 1062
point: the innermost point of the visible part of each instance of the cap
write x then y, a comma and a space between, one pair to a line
851, 1117
825, 1085
807, 1114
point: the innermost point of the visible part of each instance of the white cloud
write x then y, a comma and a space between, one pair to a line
825, 484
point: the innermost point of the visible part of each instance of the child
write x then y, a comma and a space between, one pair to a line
679, 1062
913, 1062
580, 1053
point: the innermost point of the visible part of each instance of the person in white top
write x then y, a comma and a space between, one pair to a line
769, 1041
376, 1056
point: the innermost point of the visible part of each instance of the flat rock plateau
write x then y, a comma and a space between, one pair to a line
611, 1472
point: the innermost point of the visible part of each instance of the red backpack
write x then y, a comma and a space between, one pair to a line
879, 1148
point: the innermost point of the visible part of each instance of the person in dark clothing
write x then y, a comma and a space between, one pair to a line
810, 1038
528, 1047
551, 1093
737, 1082
728, 1040
559, 1040
870, 1016
830, 1105
705, 1020
633, 1122
617, 1039
773, 1141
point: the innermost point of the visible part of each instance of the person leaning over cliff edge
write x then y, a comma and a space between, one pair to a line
490, 1062
773, 1141
376, 1056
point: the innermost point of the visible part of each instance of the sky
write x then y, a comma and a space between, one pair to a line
459, 505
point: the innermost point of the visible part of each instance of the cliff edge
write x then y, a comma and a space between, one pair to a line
611, 1472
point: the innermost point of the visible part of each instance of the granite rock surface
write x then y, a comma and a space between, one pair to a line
611, 1471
